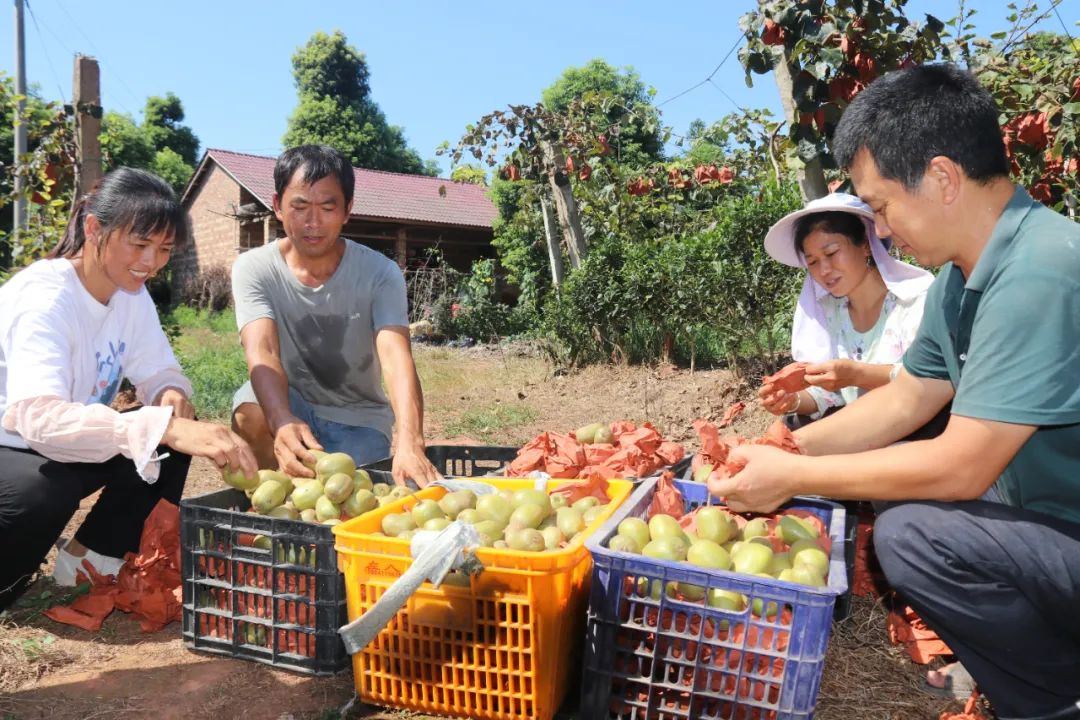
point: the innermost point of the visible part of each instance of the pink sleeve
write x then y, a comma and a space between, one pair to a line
74, 432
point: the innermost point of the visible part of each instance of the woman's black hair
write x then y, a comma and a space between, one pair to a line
125, 199
837, 222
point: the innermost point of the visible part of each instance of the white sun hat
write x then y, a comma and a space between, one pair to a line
810, 340
780, 240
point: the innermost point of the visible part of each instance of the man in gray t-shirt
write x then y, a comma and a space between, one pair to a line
323, 321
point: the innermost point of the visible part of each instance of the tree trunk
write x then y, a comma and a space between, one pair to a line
565, 205
811, 176
554, 247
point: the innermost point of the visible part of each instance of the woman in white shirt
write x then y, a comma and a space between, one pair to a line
859, 309
71, 328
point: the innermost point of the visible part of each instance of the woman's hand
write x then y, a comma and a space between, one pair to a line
833, 375
178, 401
777, 401
213, 441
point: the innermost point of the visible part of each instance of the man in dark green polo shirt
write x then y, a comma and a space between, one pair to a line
1000, 338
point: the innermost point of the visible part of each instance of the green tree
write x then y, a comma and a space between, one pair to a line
624, 107
161, 123
335, 108
123, 142
468, 173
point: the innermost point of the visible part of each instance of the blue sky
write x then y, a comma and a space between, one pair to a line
435, 66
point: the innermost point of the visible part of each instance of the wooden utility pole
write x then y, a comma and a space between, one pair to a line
86, 97
20, 126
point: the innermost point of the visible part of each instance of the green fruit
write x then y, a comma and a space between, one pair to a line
812, 557
664, 526
526, 539
495, 507
526, 516
360, 502
492, 528
792, 530
317, 455
438, 523
603, 435
305, 496
325, 509
268, 496
653, 588
770, 609
585, 503
332, 521
807, 576
569, 521
500, 545
780, 561
393, 524
338, 487
715, 524
309, 515
552, 537
558, 501
534, 497
454, 502
707, 554
702, 474
286, 512
262, 542
637, 529
238, 480
694, 593
361, 479
335, 463
587, 433
666, 548
426, 510
471, 516
752, 558
725, 599
277, 476
758, 527
590, 516
624, 543
380, 489
400, 491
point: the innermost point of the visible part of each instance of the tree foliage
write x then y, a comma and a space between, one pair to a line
633, 124
336, 108
161, 143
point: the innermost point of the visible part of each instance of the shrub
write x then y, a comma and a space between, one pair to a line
210, 290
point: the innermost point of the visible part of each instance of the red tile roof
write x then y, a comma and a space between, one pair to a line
379, 194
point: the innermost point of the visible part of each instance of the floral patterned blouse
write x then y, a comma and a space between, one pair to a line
883, 344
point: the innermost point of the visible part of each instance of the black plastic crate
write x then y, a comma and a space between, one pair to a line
280, 604
454, 461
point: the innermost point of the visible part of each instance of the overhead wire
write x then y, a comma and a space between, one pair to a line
101, 62
45, 51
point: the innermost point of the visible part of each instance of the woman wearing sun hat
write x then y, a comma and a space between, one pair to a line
859, 308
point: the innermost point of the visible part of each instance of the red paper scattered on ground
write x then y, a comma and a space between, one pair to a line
970, 712
731, 413
790, 378
148, 585
634, 452
921, 643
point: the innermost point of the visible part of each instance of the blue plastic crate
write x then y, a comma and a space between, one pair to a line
665, 658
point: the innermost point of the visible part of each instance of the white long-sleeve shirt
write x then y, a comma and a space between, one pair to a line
62, 357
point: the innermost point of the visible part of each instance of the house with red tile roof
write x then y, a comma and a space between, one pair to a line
404, 216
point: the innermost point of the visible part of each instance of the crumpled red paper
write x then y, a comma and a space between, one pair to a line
790, 378
634, 452
920, 642
731, 413
715, 450
147, 586
667, 500
597, 487
971, 710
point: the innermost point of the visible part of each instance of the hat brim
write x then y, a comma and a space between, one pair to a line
780, 240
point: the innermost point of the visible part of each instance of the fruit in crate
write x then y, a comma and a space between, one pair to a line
338, 492
787, 546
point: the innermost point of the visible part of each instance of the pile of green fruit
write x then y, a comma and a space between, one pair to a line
719, 544
338, 491
528, 519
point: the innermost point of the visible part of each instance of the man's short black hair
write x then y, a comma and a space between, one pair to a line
906, 118
318, 162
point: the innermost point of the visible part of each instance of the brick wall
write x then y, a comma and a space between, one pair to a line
215, 231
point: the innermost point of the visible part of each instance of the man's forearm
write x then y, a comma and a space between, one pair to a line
271, 387
407, 400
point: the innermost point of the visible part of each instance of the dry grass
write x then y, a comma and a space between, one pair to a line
26, 654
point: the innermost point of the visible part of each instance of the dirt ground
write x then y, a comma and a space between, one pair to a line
49, 670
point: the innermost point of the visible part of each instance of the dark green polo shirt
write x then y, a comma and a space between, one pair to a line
1009, 341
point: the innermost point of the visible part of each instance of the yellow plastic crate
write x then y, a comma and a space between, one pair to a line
500, 649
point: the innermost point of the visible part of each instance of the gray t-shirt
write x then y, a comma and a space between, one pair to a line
327, 334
